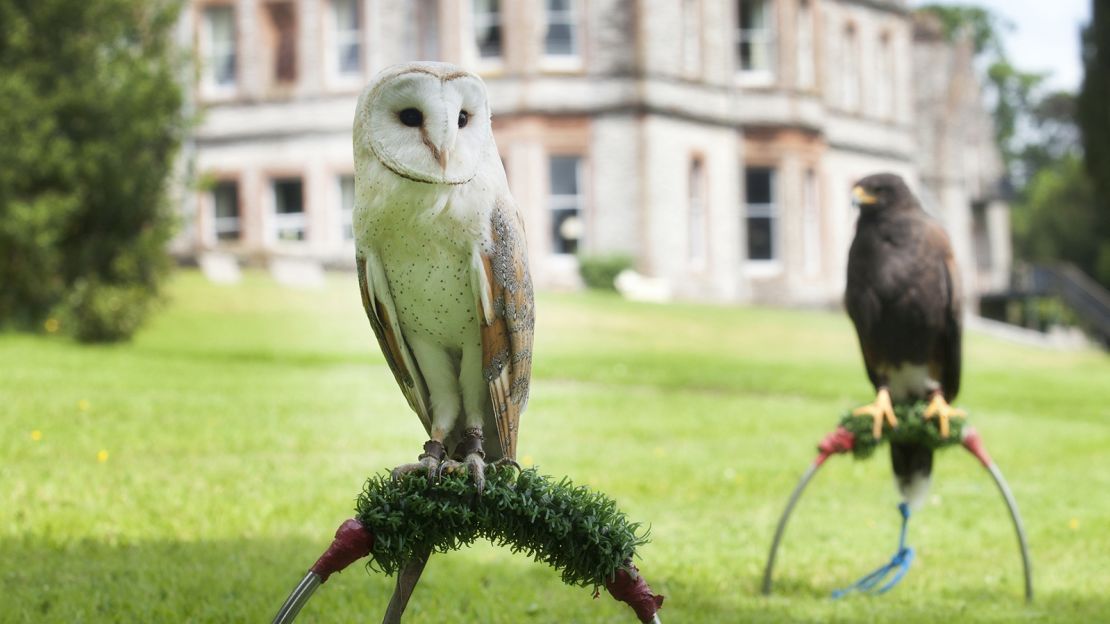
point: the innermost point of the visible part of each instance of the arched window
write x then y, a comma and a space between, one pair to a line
696, 213
850, 70
806, 70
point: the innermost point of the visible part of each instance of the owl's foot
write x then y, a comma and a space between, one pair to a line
879, 411
506, 461
473, 458
940, 409
429, 461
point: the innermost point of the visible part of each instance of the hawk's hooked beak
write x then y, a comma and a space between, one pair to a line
862, 197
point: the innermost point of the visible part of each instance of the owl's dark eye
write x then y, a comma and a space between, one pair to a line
411, 117
464, 118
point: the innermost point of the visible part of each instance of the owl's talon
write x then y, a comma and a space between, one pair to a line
472, 466
506, 461
476, 466
428, 464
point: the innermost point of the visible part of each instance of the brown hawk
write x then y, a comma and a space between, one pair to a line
903, 296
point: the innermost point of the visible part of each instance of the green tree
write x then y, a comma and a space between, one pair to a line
1093, 114
1055, 217
90, 115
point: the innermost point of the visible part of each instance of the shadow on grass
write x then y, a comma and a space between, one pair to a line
208, 581
246, 581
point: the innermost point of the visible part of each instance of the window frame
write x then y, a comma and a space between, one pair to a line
277, 221
697, 212
346, 213
488, 63
214, 229
336, 40
693, 52
805, 77
559, 202
851, 63
573, 18
210, 85
756, 76
422, 16
770, 211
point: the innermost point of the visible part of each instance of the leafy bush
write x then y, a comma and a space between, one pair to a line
600, 271
91, 121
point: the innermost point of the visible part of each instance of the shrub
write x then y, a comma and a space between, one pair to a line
600, 271
91, 121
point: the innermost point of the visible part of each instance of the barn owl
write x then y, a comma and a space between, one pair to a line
442, 262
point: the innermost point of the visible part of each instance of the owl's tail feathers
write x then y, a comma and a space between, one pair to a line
913, 465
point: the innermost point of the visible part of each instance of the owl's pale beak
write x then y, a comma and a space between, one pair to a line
440, 139
443, 156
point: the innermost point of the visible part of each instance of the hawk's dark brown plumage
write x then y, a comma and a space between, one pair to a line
903, 296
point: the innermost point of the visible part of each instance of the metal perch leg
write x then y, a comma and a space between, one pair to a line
407, 579
812, 470
298, 598
974, 444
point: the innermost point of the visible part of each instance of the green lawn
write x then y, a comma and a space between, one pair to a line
241, 423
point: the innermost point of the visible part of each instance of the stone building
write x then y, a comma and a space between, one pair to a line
714, 141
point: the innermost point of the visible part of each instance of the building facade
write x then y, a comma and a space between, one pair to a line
713, 141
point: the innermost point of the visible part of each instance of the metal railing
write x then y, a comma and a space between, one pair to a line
1086, 298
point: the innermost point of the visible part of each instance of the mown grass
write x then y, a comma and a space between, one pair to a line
240, 425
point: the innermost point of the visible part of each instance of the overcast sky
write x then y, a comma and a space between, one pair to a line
1045, 37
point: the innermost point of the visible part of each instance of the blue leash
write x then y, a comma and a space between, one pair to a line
899, 563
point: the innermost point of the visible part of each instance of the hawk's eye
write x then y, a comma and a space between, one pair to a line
411, 117
464, 118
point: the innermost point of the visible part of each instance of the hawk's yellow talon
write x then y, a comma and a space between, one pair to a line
879, 411
940, 409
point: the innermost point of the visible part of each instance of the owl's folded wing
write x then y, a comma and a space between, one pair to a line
503, 289
378, 302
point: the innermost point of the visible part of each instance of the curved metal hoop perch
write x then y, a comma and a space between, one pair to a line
971, 441
794, 496
403, 521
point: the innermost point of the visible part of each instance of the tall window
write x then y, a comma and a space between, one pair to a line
885, 79
806, 71
811, 225
283, 20
347, 16
225, 210
487, 28
289, 218
565, 203
691, 37
755, 38
219, 42
759, 192
561, 38
695, 222
849, 70
347, 206
423, 29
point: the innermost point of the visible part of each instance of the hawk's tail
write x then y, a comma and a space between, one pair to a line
912, 465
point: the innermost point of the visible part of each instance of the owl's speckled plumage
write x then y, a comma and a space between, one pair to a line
441, 255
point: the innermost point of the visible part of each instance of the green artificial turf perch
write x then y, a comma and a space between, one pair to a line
912, 427
400, 521
575, 530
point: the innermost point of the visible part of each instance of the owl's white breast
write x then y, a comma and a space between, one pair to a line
425, 236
